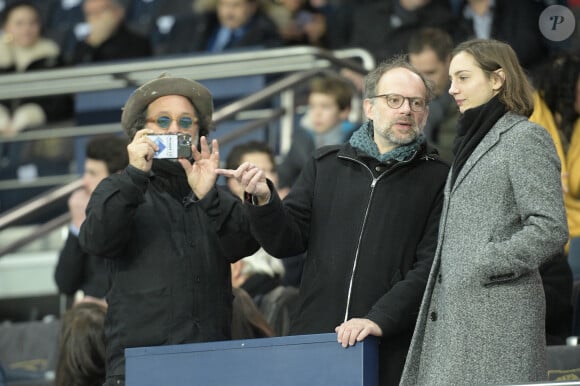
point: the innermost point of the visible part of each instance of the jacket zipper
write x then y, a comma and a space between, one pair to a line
373, 184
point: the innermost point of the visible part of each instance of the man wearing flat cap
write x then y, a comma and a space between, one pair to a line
167, 233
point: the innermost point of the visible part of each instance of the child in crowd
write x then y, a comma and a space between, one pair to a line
325, 123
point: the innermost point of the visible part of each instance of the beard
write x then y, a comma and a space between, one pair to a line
396, 137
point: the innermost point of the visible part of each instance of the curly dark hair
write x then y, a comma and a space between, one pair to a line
556, 83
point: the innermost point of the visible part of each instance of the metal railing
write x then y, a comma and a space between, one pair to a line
283, 87
95, 77
132, 74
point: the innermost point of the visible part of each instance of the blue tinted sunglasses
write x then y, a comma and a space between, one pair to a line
164, 121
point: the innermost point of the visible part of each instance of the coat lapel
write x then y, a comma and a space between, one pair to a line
486, 144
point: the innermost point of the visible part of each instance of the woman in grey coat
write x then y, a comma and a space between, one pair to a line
482, 316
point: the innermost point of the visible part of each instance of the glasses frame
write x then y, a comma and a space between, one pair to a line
155, 120
403, 98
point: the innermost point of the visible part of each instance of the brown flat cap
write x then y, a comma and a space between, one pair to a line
162, 86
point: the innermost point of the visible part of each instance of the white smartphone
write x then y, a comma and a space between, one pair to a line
172, 146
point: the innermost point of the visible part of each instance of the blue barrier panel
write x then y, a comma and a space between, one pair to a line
301, 360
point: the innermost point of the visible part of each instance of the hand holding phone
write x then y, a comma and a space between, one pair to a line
172, 146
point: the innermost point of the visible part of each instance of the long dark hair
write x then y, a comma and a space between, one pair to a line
81, 359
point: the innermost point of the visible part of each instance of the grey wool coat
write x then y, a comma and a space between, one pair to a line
482, 316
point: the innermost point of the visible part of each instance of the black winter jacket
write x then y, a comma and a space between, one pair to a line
192, 33
168, 256
77, 270
370, 234
121, 45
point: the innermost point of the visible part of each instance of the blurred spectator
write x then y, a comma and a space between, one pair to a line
22, 49
430, 53
262, 276
514, 22
557, 108
44, 7
301, 23
63, 17
398, 20
259, 273
81, 360
247, 321
77, 270
143, 15
233, 24
107, 36
325, 123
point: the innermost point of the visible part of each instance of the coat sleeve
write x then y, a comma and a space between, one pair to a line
231, 223
534, 174
70, 269
111, 213
396, 311
282, 228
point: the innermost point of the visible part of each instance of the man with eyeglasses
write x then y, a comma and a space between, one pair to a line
167, 233
366, 213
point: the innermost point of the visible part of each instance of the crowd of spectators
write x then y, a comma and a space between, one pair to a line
155, 27
76, 32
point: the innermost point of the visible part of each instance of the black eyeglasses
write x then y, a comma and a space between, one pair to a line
395, 101
164, 121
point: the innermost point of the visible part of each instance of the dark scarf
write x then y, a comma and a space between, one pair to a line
473, 125
172, 177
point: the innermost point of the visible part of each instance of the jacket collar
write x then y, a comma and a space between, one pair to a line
505, 123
